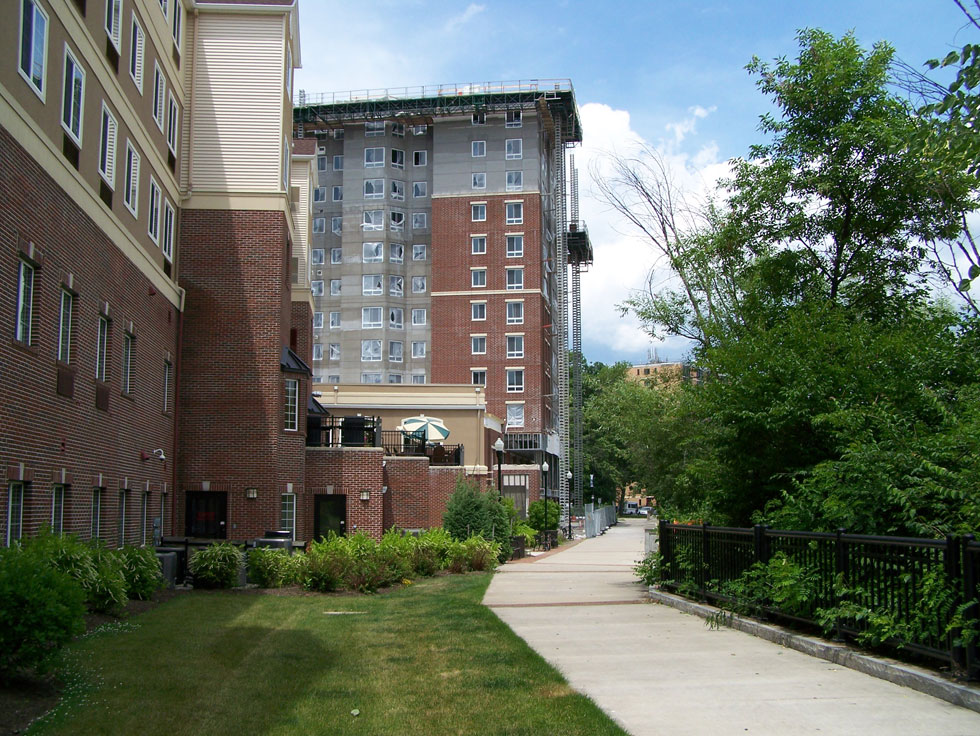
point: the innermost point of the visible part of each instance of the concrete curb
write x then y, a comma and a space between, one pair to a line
924, 681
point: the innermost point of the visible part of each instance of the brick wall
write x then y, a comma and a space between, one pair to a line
348, 471
46, 437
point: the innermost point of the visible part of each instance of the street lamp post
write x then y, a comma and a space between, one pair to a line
568, 476
499, 447
544, 488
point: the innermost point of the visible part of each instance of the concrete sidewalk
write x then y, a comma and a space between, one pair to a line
656, 670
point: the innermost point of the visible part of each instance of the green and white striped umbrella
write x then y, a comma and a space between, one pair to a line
430, 428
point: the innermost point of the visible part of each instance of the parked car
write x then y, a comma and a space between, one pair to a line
645, 511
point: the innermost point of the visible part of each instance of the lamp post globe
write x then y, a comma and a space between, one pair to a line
569, 476
498, 446
544, 493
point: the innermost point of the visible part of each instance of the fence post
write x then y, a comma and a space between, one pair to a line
666, 552
971, 616
702, 573
761, 543
840, 567
951, 560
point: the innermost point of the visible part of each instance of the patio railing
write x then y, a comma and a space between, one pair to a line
356, 431
398, 443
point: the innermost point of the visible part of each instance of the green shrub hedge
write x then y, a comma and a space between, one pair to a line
216, 566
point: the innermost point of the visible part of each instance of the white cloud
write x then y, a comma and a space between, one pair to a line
455, 23
623, 260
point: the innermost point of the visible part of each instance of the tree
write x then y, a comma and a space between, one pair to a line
471, 511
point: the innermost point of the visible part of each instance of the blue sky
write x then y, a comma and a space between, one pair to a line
669, 74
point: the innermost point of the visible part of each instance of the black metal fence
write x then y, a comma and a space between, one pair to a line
355, 431
921, 593
396, 442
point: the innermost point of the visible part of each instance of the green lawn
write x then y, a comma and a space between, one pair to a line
424, 659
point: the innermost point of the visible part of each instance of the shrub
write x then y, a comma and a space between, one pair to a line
141, 570
98, 570
471, 511
216, 566
436, 541
106, 592
527, 531
324, 564
480, 553
536, 516
649, 569
398, 549
41, 609
457, 558
273, 568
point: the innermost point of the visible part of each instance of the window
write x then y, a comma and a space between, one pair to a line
336, 255
373, 220
370, 350
319, 224
177, 23
478, 377
335, 320
113, 21
33, 45
137, 41
478, 311
57, 508
398, 129
478, 277
513, 148
316, 257
396, 351
420, 158
337, 224
373, 253
418, 252
132, 187
420, 129
173, 118
338, 163
374, 127
397, 159
396, 285
25, 302
478, 344
101, 349
418, 378
318, 320
287, 513
371, 317
478, 244
515, 246
129, 345
107, 148
153, 212
159, 91
418, 317
515, 278
374, 188
338, 134
397, 190
334, 287
418, 349
291, 405
479, 181
321, 163
515, 313
420, 189
515, 346
15, 512
397, 220
515, 380
370, 378
419, 221
72, 97
96, 512
317, 351
418, 284
166, 385
169, 222
374, 158
396, 252
478, 149
333, 351
64, 327
394, 378
396, 318
478, 212
513, 119
371, 284
515, 213
316, 287
515, 181
320, 194
338, 194
515, 415
123, 497
333, 378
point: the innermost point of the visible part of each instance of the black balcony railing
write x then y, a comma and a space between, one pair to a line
356, 431
398, 443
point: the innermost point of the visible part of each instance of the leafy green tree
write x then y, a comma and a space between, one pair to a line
471, 511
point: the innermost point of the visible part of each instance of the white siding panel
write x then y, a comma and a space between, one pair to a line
238, 104
187, 66
301, 176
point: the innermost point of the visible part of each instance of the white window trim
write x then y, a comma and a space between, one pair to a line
81, 112
473, 306
173, 124
473, 180
479, 336
13, 533
153, 211
291, 418
64, 326
520, 145
131, 184
169, 230
473, 149
514, 354
114, 19
420, 155
137, 50
474, 269
43, 90
508, 285
108, 139
514, 187
159, 95
473, 250
25, 303
425, 317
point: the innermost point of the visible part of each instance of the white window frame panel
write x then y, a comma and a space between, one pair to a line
318, 320
137, 47
372, 252
287, 513
113, 22
419, 317
420, 189
336, 286
15, 512
478, 149
101, 349
374, 189
337, 224
515, 181
418, 378
420, 221
338, 162
420, 158
318, 349
478, 212
371, 351
478, 245
333, 320
159, 95
319, 194
396, 318
478, 278
372, 284
169, 230
398, 190
35, 62
173, 124
131, 190
478, 311
316, 288
338, 193
65, 309
373, 220
478, 376
291, 405
397, 158
515, 246
374, 157
321, 163
396, 286
418, 349
167, 372
515, 279
514, 213
372, 317
96, 517
478, 180
515, 346
319, 225
25, 302
75, 100
374, 128
316, 256
420, 251
107, 147
418, 284
396, 351
514, 119
153, 211
515, 380
126, 375
514, 148
396, 221
58, 508
518, 317
333, 351
515, 414
371, 377
396, 253
177, 24
478, 344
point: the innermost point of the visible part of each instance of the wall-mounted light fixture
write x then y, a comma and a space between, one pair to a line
365, 495
251, 493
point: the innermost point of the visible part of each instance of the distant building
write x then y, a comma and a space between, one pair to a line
665, 373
